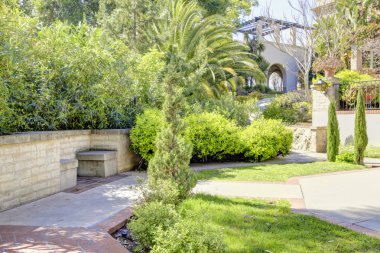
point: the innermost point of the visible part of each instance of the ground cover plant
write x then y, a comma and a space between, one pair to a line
275, 172
291, 108
260, 226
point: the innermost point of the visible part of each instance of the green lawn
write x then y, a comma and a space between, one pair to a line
264, 227
275, 172
372, 152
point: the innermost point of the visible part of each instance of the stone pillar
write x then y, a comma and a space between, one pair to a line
356, 58
321, 102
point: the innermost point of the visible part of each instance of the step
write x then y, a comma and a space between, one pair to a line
97, 163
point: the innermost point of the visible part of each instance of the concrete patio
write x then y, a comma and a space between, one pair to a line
64, 222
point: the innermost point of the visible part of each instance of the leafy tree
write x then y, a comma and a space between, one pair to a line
230, 10
72, 11
172, 157
128, 20
215, 60
360, 138
333, 139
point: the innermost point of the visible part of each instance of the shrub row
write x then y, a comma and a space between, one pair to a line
216, 138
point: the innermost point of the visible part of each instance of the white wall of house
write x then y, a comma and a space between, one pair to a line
289, 65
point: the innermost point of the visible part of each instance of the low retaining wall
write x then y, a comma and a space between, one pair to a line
307, 138
30, 163
346, 120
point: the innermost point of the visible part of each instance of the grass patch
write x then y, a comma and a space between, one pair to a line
275, 172
260, 226
372, 152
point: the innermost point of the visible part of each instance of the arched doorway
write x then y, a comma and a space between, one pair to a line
276, 77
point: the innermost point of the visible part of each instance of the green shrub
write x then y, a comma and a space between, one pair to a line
188, 236
213, 136
349, 76
347, 81
262, 88
144, 133
346, 156
291, 107
265, 139
216, 138
148, 218
63, 76
254, 95
229, 107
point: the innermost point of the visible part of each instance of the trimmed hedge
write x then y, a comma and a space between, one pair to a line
213, 136
216, 138
265, 139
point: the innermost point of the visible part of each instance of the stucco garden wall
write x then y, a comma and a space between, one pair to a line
347, 126
30, 163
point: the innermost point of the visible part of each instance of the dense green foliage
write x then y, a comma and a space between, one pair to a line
143, 134
160, 228
360, 136
347, 84
265, 139
148, 218
232, 108
95, 64
291, 107
213, 136
62, 77
275, 172
333, 138
190, 236
346, 157
258, 226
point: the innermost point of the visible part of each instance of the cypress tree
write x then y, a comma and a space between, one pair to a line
170, 163
360, 138
333, 139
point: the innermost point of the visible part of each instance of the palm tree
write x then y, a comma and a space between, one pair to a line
215, 62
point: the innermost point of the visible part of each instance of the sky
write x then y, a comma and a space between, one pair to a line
279, 8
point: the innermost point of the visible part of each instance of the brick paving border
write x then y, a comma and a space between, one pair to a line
33, 239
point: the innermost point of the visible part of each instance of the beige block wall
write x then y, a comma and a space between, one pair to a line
30, 162
115, 140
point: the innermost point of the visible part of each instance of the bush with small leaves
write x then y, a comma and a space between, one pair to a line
265, 139
213, 136
188, 236
148, 218
144, 133
346, 156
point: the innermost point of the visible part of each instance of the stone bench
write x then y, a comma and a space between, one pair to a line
97, 163
69, 172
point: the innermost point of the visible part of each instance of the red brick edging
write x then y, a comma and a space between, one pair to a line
96, 239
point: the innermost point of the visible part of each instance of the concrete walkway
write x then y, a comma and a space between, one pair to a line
75, 210
71, 222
